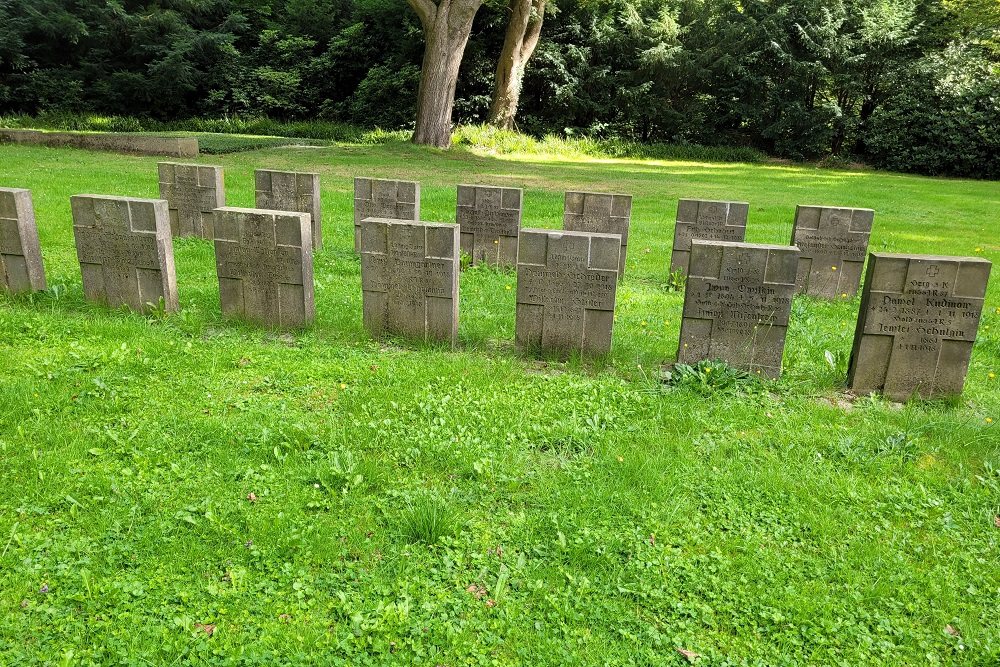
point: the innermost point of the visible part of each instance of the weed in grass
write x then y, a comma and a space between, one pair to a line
711, 377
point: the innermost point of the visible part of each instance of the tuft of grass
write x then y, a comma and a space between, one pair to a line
427, 519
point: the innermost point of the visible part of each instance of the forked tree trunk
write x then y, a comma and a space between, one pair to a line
523, 31
447, 25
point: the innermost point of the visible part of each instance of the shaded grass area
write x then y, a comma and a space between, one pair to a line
416, 505
233, 134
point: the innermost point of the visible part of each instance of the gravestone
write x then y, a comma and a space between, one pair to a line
917, 324
21, 267
832, 244
265, 265
125, 250
192, 191
291, 191
409, 279
566, 286
708, 221
490, 219
736, 304
385, 199
599, 213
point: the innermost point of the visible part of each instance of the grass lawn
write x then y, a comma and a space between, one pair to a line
420, 506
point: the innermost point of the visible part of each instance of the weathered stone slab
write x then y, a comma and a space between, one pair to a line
291, 191
600, 213
490, 219
833, 243
708, 221
120, 142
409, 279
917, 324
265, 265
21, 267
192, 191
384, 199
566, 287
737, 303
125, 250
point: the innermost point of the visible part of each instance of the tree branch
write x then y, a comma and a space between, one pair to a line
426, 11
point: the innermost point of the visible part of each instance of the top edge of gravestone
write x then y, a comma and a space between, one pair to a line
604, 194
422, 223
715, 201
281, 171
836, 208
558, 233
749, 246
14, 190
192, 164
931, 258
387, 180
486, 185
260, 211
137, 200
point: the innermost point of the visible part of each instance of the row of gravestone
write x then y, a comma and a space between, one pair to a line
918, 319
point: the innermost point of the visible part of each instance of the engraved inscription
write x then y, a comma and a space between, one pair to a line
192, 192
291, 191
600, 213
409, 276
737, 304
265, 267
709, 221
384, 198
833, 242
918, 322
566, 288
490, 219
125, 252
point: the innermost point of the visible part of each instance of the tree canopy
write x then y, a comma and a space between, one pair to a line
909, 84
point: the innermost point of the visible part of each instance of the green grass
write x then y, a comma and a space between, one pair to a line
419, 506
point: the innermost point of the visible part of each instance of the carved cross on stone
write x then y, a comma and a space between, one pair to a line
386, 199
125, 250
192, 191
409, 279
833, 243
917, 324
600, 213
566, 287
707, 221
265, 266
490, 219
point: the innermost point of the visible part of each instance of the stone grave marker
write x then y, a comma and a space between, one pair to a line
291, 191
917, 324
833, 243
600, 213
409, 279
125, 250
265, 265
490, 219
566, 287
708, 221
737, 304
21, 267
385, 199
192, 191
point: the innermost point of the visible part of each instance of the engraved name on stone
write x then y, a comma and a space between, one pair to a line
918, 321
386, 199
490, 219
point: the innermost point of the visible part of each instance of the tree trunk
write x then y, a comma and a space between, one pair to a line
523, 31
447, 25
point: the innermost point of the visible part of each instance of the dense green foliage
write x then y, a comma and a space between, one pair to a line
190, 490
794, 78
